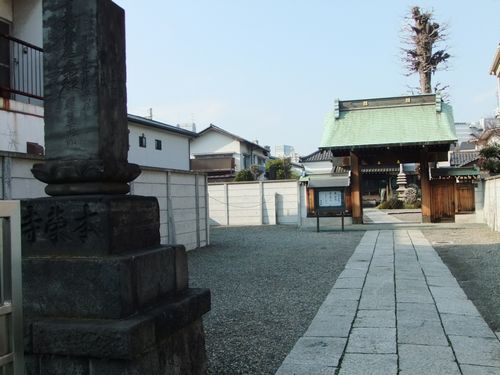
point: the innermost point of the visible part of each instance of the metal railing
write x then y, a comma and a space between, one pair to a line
21, 68
11, 311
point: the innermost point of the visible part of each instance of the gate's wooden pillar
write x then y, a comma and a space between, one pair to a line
425, 186
356, 194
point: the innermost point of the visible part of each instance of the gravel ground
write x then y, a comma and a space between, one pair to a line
267, 284
473, 256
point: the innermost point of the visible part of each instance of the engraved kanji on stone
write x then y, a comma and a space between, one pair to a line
30, 223
86, 224
56, 224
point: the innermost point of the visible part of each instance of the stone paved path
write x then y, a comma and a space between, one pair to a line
395, 309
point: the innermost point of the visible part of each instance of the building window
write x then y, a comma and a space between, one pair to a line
157, 144
142, 140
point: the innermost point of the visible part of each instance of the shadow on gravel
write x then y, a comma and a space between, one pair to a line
267, 284
477, 269
473, 256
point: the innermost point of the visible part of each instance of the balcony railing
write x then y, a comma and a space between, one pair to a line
21, 69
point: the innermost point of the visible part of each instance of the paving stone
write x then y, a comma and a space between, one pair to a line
342, 294
340, 307
349, 283
479, 370
375, 286
308, 369
347, 273
456, 306
419, 284
324, 351
442, 281
373, 364
480, 351
420, 311
377, 302
357, 265
423, 332
445, 292
375, 319
465, 325
326, 325
413, 296
428, 360
372, 341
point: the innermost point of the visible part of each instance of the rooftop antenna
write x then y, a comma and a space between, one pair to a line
150, 115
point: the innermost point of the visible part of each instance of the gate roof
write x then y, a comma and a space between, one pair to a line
420, 120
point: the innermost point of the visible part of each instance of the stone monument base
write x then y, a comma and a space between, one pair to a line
102, 296
167, 339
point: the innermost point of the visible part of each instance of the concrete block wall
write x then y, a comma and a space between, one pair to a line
491, 205
181, 196
265, 202
254, 203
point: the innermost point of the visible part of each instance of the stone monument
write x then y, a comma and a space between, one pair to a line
101, 295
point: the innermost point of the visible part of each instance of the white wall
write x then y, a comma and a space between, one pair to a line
27, 22
20, 124
17, 180
183, 207
6, 10
181, 196
491, 205
173, 155
214, 142
265, 202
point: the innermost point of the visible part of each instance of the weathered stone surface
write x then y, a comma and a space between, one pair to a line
307, 369
94, 338
326, 325
120, 338
107, 288
179, 354
481, 351
325, 351
464, 325
431, 360
422, 332
181, 268
372, 341
375, 319
89, 225
86, 136
373, 364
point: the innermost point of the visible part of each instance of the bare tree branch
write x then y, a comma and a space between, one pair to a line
420, 35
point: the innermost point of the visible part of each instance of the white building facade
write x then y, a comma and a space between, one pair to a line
158, 145
223, 154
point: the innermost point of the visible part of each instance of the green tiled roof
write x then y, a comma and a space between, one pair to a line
418, 120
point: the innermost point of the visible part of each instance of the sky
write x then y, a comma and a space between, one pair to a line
270, 70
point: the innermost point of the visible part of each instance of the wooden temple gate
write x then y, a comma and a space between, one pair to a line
411, 129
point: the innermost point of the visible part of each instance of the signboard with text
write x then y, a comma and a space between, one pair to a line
330, 201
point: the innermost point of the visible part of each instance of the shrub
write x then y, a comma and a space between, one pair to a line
244, 175
280, 169
410, 196
414, 205
391, 204
489, 158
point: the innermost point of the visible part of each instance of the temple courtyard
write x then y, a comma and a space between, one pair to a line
381, 297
